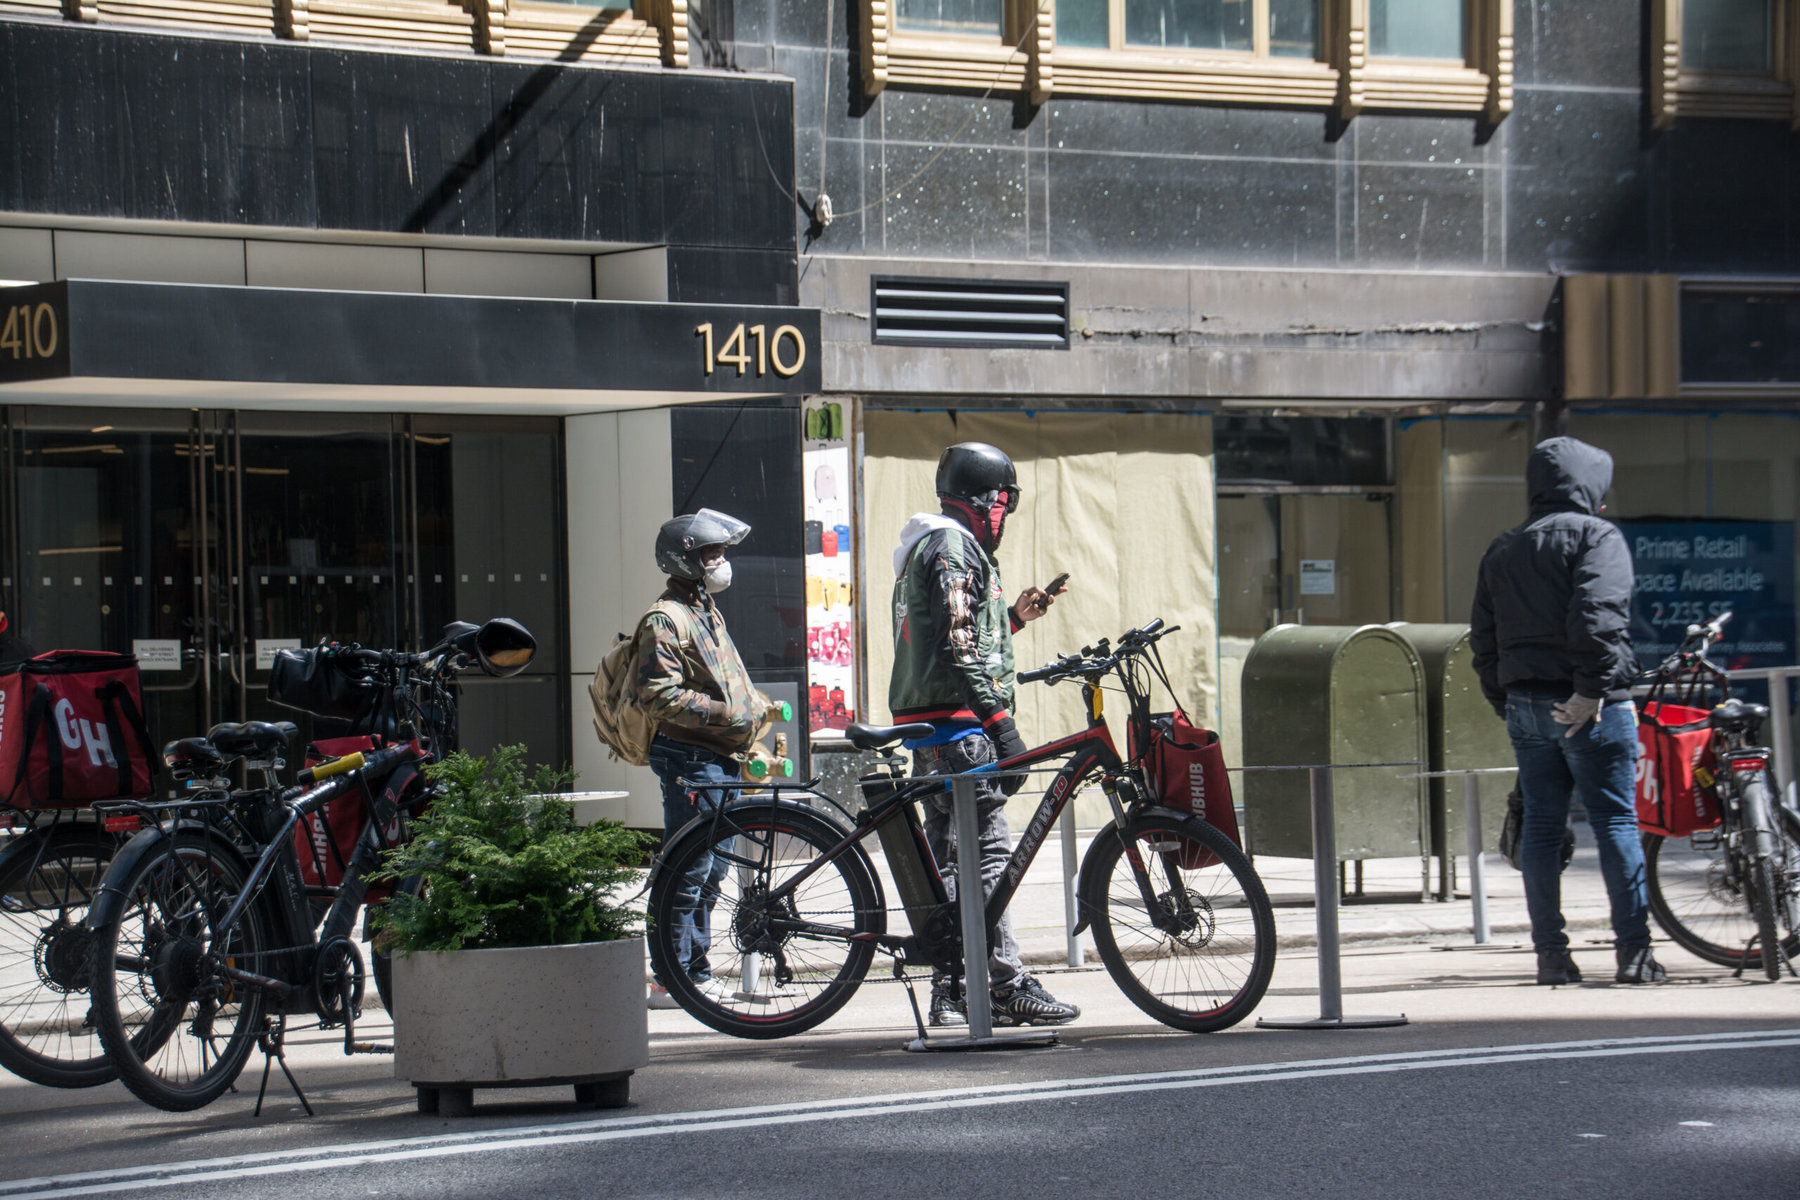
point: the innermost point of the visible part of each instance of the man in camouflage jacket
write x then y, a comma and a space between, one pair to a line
953, 667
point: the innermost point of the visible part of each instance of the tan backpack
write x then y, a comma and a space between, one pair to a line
619, 721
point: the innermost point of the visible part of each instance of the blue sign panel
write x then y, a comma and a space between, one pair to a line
1690, 571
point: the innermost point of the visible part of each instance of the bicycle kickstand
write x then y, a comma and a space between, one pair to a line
270, 1041
911, 995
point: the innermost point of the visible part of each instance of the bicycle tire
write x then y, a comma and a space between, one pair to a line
160, 997
1762, 903
1700, 898
1207, 965
763, 845
47, 882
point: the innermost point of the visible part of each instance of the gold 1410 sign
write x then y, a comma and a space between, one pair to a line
784, 351
30, 332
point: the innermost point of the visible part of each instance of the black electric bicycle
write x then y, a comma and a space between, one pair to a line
206, 939
1729, 894
797, 912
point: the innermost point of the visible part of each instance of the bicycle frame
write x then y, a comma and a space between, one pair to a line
1089, 750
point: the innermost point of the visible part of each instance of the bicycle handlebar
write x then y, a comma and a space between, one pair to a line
337, 766
1094, 660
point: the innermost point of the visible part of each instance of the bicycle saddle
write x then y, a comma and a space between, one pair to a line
877, 737
258, 738
193, 758
1734, 713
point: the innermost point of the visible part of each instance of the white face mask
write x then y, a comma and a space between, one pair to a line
718, 576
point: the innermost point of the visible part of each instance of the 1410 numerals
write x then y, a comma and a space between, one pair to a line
784, 351
29, 332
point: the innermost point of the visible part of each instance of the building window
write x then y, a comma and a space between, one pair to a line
1724, 58
1346, 55
1430, 29
1726, 35
974, 18
1283, 28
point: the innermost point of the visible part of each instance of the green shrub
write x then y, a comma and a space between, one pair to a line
504, 864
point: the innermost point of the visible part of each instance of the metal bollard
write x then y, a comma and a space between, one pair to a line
1071, 939
1477, 857
1325, 898
971, 900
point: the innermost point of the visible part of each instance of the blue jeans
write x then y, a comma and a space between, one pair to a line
1600, 762
698, 889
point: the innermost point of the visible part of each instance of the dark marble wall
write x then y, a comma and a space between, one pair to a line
1573, 179
95, 122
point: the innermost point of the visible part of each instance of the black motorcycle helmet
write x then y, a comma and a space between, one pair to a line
680, 541
974, 473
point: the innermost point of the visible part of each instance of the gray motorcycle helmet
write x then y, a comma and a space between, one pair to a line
680, 541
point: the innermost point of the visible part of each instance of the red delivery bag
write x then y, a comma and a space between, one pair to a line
72, 730
1185, 769
326, 839
1670, 800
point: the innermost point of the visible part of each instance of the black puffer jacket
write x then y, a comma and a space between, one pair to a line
1552, 610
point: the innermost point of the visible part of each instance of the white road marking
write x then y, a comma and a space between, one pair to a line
1698, 1124
320, 1158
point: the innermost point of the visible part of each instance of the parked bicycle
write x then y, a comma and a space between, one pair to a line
1180, 918
206, 939
1730, 890
49, 871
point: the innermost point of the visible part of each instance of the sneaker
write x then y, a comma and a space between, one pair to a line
1638, 965
660, 998
1557, 966
947, 1012
1025, 1002
717, 990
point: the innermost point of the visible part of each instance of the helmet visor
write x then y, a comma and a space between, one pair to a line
714, 528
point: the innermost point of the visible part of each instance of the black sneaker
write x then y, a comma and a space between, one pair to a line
1638, 965
947, 1012
1556, 966
1025, 1002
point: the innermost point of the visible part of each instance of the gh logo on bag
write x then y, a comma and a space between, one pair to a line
79, 733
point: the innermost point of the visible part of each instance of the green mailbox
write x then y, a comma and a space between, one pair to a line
1317, 694
1464, 734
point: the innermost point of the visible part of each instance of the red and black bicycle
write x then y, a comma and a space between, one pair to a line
1179, 916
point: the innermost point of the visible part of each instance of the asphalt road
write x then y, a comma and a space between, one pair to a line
1676, 1115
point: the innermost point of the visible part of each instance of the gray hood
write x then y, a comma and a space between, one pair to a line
1566, 474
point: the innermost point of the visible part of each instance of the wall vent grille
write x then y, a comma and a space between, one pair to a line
969, 312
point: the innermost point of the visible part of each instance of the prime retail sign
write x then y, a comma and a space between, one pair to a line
1690, 571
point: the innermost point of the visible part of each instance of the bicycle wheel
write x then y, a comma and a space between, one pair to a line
174, 1014
1700, 895
1762, 903
1197, 952
767, 979
47, 881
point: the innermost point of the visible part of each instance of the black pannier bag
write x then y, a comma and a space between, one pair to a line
314, 681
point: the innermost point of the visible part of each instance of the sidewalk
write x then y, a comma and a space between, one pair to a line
1389, 910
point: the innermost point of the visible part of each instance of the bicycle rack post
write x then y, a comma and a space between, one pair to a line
1477, 857
1325, 898
971, 899
1077, 957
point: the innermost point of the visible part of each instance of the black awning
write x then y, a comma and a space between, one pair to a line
84, 339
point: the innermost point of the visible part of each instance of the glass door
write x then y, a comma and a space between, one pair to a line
1310, 557
205, 541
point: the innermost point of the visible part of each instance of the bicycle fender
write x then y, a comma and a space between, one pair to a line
1088, 884
109, 901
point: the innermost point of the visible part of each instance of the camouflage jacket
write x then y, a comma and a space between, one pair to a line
690, 678
953, 656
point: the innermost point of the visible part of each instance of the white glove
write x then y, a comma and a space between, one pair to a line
1577, 711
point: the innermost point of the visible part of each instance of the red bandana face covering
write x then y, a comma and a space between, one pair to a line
987, 529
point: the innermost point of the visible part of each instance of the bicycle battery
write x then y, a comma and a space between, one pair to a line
908, 857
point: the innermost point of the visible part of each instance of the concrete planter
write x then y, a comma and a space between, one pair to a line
537, 1016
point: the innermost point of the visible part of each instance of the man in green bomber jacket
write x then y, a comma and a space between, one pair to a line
953, 667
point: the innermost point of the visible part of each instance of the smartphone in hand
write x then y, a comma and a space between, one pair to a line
1054, 586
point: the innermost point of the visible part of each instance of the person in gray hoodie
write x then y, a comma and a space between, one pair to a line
1550, 631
